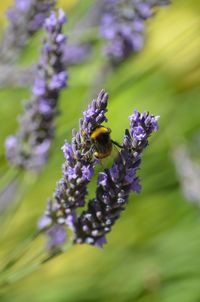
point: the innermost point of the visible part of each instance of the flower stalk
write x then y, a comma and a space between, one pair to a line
123, 26
114, 184
29, 148
25, 18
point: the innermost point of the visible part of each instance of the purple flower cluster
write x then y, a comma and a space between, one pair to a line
77, 171
123, 25
25, 18
114, 184
30, 146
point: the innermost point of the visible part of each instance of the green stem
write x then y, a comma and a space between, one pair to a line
26, 180
9, 278
9, 177
20, 252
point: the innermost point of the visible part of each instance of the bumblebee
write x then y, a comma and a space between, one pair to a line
102, 142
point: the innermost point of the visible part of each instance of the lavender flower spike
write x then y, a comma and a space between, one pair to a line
77, 171
116, 183
123, 25
25, 18
29, 148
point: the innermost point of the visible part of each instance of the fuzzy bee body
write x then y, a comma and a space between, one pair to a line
100, 137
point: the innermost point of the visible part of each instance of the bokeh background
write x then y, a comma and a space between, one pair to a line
153, 250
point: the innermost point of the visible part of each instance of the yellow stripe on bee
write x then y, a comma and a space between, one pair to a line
102, 155
99, 131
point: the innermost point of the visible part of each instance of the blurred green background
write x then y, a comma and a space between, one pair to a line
153, 250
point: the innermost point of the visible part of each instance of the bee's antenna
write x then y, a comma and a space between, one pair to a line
116, 144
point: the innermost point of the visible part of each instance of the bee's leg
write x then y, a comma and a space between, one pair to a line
116, 144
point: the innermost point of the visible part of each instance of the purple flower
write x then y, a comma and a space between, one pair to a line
103, 179
87, 172
11, 142
123, 24
23, 5
67, 150
25, 18
11, 146
135, 185
141, 124
78, 167
44, 107
61, 38
71, 173
114, 172
61, 17
44, 222
95, 113
139, 133
56, 236
144, 9
37, 126
42, 149
138, 25
114, 186
101, 241
51, 22
58, 80
39, 87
